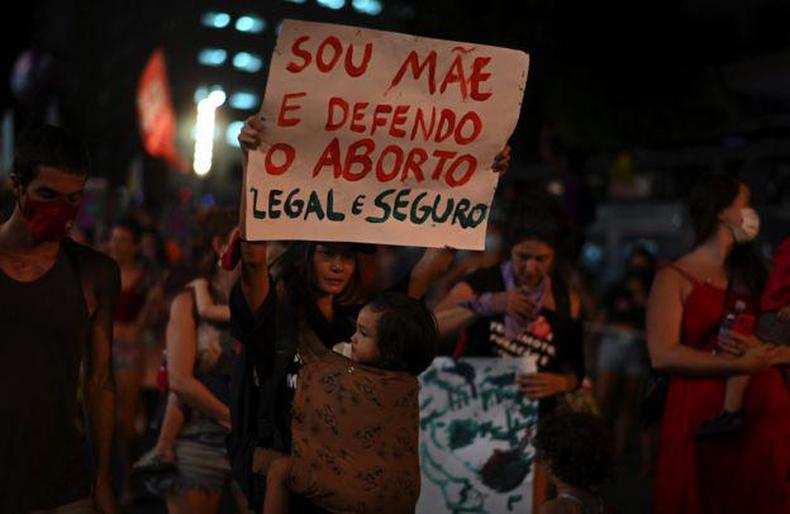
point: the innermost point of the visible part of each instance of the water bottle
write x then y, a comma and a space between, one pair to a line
529, 364
728, 323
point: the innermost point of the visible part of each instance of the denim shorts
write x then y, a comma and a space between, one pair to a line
201, 463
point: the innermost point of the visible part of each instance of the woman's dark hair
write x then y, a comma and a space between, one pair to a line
130, 225
295, 268
577, 449
212, 223
542, 217
710, 196
644, 276
641, 250
407, 336
49, 146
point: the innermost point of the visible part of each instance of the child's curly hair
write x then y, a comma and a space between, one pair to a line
577, 449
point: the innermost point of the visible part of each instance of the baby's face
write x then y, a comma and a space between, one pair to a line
364, 342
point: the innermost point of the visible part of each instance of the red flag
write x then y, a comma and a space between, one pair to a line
155, 111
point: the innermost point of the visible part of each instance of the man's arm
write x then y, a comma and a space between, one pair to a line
99, 383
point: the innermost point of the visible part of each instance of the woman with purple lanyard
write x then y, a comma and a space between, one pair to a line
523, 308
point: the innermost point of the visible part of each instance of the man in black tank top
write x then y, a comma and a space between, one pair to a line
57, 300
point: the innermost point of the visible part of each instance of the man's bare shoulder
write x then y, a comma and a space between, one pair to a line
97, 268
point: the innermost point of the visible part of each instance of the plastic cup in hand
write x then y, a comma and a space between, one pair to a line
529, 364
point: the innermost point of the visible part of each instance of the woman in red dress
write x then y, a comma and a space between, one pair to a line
738, 473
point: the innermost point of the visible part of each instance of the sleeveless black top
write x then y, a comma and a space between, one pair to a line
44, 326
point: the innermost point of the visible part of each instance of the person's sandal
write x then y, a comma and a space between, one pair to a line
153, 462
725, 423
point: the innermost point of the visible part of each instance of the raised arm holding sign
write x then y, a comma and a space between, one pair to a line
389, 149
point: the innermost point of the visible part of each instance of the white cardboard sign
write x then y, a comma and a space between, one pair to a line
378, 137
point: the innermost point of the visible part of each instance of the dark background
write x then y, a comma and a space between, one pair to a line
672, 89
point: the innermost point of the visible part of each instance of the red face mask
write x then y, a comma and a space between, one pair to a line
49, 221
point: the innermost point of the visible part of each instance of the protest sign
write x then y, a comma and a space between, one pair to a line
476, 452
379, 137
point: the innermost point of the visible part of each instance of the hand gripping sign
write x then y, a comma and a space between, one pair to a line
377, 137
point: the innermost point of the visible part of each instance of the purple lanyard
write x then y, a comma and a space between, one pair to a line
513, 328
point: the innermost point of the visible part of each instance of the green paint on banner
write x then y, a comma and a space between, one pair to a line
512, 500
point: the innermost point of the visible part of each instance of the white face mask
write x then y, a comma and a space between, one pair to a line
749, 227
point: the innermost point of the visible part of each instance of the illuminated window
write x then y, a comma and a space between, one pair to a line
212, 57
203, 91
371, 7
216, 97
216, 20
243, 100
592, 254
250, 24
332, 4
248, 62
232, 133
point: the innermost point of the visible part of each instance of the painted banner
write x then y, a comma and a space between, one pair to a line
377, 137
476, 452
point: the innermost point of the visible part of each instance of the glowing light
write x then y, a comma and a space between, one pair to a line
216, 20
243, 100
332, 4
207, 201
250, 24
217, 97
212, 57
248, 62
593, 253
232, 133
203, 91
204, 132
371, 7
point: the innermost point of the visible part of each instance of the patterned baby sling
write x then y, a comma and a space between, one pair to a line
355, 432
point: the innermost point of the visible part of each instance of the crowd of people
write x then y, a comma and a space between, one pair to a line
276, 374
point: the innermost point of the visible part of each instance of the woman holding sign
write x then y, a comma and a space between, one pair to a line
313, 287
523, 308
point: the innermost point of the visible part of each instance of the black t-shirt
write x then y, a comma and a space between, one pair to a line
553, 336
260, 330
